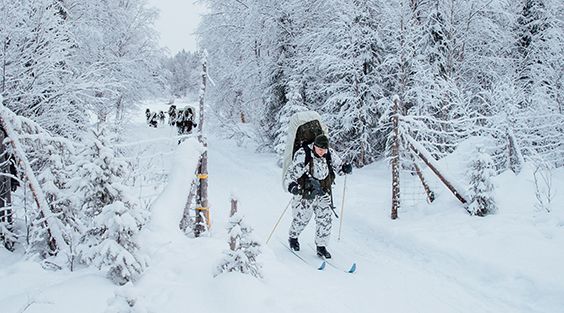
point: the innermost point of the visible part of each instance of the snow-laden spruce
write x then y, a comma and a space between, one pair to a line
245, 249
113, 218
481, 190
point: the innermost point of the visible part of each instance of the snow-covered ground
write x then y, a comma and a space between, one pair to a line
434, 258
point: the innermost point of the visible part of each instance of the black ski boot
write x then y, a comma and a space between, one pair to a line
323, 253
294, 244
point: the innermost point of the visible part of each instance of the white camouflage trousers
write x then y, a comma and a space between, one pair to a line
302, 210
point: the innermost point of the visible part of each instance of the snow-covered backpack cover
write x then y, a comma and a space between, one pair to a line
303, 128
192, 110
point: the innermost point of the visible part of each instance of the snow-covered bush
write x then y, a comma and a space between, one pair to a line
51, 219
98, 174
7, 236
544, 191
110, 242
53, 178
113, 217
128, 300
481, 187
243, 257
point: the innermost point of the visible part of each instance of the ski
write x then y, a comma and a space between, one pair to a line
352, 270
301, 257
333, 264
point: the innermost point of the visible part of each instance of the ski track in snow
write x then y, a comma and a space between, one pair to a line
434, 258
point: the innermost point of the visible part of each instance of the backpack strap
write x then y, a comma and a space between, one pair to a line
307, 156
328, 181
325, 183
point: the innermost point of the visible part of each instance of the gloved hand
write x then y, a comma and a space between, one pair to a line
347, 168
312, 189
293, 188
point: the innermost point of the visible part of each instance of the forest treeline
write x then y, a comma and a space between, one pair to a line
490, 68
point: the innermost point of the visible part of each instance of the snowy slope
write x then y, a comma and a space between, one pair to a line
434, 258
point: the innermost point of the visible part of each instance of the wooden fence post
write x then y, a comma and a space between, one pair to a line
233, 211
202, 209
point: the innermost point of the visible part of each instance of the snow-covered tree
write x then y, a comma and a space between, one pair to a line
36, 78
42, 160
350, 54
232, 33
257, 62
110, 242
539, 69
53, 177
184, 68
99, 173
112, 217
118, 54
481, 171
243, 257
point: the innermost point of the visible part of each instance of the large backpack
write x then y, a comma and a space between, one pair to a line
191, 110
302, 130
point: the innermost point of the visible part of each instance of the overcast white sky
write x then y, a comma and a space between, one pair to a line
178, 20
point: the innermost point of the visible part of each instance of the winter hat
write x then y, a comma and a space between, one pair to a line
322, 141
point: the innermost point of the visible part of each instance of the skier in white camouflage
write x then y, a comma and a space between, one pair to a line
309, 178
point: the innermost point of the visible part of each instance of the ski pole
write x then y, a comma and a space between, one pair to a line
279, 219
342, 207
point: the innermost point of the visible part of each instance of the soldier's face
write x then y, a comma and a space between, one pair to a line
319, 151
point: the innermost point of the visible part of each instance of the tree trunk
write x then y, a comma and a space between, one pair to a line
395, 164
202, 213
516, 159
233, 242
46, 217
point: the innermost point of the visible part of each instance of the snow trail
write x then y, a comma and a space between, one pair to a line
402, 266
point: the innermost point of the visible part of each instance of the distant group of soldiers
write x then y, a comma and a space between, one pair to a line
183, 118
153, 118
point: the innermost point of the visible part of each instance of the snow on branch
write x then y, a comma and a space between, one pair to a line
52, 223
242, 257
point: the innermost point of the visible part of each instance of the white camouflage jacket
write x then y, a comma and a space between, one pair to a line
320, 169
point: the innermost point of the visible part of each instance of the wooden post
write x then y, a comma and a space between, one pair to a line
395, 163
233, 242
202, 94
202, 213
202, 210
